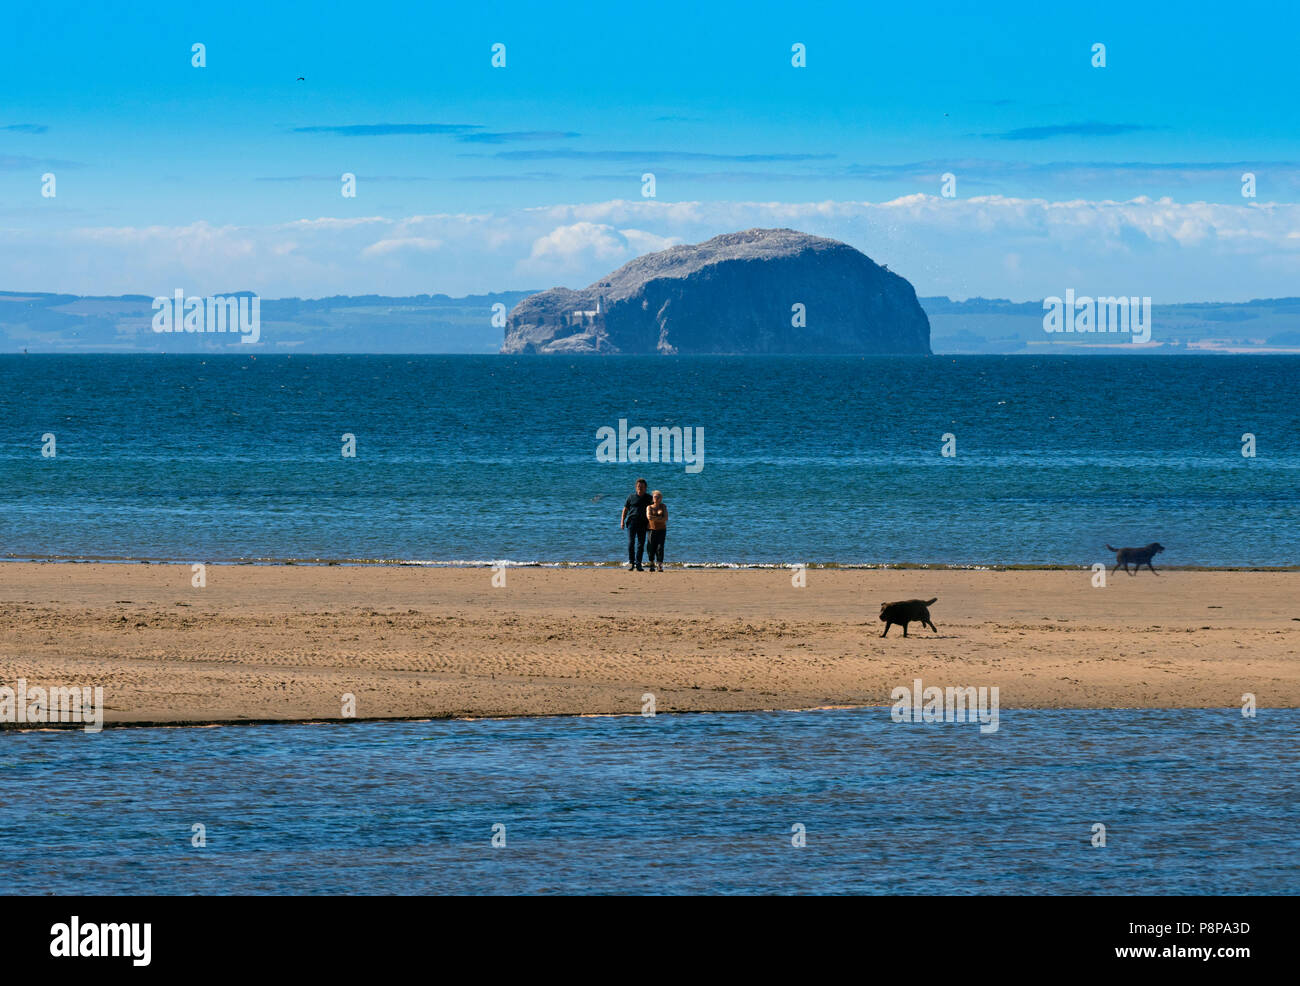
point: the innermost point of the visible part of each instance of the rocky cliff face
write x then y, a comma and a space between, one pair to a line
736, 293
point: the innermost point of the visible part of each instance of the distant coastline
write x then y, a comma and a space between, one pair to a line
436, 324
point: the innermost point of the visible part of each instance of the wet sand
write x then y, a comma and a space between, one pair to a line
288, 642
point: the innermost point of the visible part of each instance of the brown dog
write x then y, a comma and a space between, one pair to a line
907, 611
1138, 556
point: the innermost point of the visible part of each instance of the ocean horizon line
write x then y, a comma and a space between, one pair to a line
1067, 350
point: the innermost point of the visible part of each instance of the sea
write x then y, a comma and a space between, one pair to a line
1083, 801
466, 460
461, 460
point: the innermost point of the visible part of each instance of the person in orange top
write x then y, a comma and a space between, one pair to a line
656, 515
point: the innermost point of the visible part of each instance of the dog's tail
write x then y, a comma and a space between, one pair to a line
1109, 548
931, 602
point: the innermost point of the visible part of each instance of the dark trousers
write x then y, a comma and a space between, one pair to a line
655, 549
635, 544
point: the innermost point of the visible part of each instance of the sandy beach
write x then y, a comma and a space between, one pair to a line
287, 642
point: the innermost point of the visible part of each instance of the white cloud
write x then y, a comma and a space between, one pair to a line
583, 246
422, 244
1170, 250
565, 244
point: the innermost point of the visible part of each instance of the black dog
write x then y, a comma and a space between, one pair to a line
1138, 556
905, 612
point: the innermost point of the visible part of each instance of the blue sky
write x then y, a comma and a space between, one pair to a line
1123, 179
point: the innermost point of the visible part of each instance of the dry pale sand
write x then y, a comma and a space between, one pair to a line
261, 643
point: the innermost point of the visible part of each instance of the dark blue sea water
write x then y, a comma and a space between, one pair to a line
1193, 801
816, 459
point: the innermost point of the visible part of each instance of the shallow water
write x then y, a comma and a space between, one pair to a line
1194, 801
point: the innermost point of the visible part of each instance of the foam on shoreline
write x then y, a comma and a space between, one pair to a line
289, 562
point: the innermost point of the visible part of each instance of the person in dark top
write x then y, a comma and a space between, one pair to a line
633, 519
